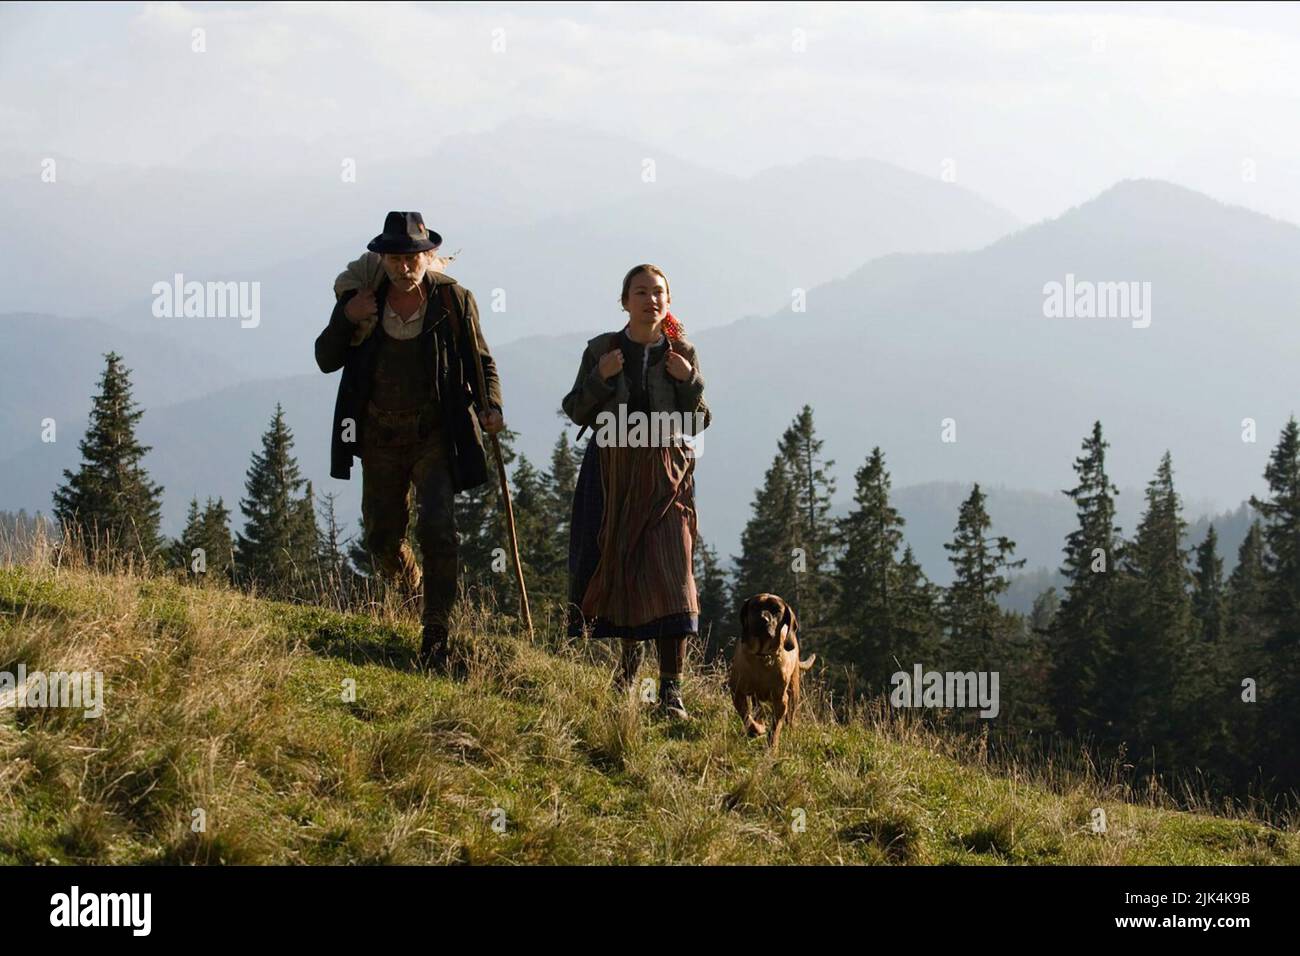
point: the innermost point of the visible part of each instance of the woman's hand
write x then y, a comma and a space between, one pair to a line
611, 363
678, 367
492, 421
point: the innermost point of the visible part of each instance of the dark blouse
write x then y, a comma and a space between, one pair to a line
637, 359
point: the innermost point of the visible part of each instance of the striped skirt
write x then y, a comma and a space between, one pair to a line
632, 543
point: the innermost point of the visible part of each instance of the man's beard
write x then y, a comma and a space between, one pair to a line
400, 279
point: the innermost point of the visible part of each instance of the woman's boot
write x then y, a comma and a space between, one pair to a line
670, 696
672, 660
633, 652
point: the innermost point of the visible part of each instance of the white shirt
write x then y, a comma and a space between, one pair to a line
404, 328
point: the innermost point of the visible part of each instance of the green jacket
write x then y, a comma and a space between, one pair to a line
451, 366
592, 394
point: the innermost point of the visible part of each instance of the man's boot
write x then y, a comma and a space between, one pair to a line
434, 653
670, 697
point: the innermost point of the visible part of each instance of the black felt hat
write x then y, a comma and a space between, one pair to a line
404, 233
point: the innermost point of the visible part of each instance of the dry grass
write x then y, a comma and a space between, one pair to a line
236, 707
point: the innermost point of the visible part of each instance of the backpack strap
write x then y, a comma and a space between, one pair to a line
608, 344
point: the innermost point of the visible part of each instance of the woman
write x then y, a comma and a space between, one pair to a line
633, 532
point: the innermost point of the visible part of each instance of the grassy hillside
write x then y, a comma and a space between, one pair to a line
221, 702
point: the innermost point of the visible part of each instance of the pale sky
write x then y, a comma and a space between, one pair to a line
1036, 106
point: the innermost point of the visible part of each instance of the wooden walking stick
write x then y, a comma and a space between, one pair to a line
501, 478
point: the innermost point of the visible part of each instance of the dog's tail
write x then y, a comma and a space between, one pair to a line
805, 665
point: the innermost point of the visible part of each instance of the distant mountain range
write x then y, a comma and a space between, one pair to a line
889, 353
549, 214
884, 355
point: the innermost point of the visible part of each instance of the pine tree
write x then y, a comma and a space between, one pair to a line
481, 523
278, 547
1025, 665
1044, 611
207, 536
767, 545
801, 451
717, 614
335, 568
1081, 632
110, 501
1209, 743
310, 542
1208, 597
884, 606
1247, 627
1246, 652
217, 542
916, 612
181, 553
971, 614
561, 482
1280, 524
1152, 682
543, 554
980, 636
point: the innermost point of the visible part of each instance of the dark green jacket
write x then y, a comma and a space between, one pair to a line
592, 394
449, 360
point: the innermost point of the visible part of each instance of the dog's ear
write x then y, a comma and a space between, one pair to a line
744, 617
789, 620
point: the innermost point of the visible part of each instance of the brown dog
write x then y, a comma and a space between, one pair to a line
766, 665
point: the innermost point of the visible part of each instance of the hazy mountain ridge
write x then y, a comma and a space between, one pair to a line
889, 352
550, 214
52, 363
908, 342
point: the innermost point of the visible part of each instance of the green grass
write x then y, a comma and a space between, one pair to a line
222, 703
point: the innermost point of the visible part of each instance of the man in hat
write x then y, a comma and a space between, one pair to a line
407, 350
